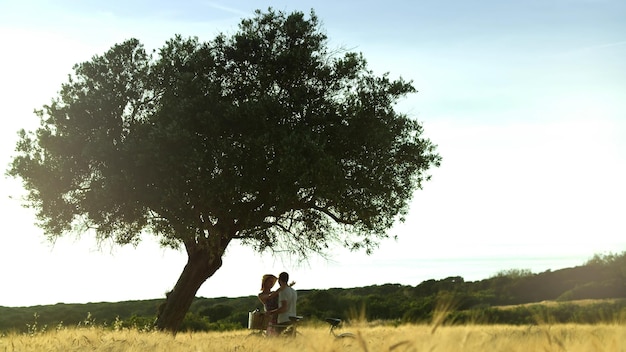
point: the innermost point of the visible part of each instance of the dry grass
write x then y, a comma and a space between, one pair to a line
568, 337
580, 302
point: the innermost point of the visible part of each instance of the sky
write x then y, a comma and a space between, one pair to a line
526, 101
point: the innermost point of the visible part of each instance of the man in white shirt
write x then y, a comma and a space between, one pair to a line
287, 298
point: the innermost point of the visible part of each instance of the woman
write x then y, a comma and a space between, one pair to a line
269, 299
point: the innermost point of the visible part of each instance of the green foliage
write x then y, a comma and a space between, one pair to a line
265, 135
217, 312
602, 312
194, 322
514, 273
135, 322
419, 311
608, 259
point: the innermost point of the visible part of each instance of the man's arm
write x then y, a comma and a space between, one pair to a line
281, 309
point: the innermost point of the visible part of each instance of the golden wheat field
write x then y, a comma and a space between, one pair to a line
568, 337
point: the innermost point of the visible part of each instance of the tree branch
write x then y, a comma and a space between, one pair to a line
328, 213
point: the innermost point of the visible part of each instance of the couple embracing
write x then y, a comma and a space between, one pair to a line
279, 304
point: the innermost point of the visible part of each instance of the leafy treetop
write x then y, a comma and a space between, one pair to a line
266, 136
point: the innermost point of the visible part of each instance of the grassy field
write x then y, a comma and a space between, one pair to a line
569, 337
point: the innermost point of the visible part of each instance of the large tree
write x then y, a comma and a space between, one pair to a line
265, 136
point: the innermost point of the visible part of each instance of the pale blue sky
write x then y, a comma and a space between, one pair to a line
526, 100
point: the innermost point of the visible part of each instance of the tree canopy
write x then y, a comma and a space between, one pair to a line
265, 136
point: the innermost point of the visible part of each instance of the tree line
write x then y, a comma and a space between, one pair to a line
509, 297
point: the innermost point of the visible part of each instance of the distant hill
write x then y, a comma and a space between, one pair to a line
603, 277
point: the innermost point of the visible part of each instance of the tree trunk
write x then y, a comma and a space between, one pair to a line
202, 263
